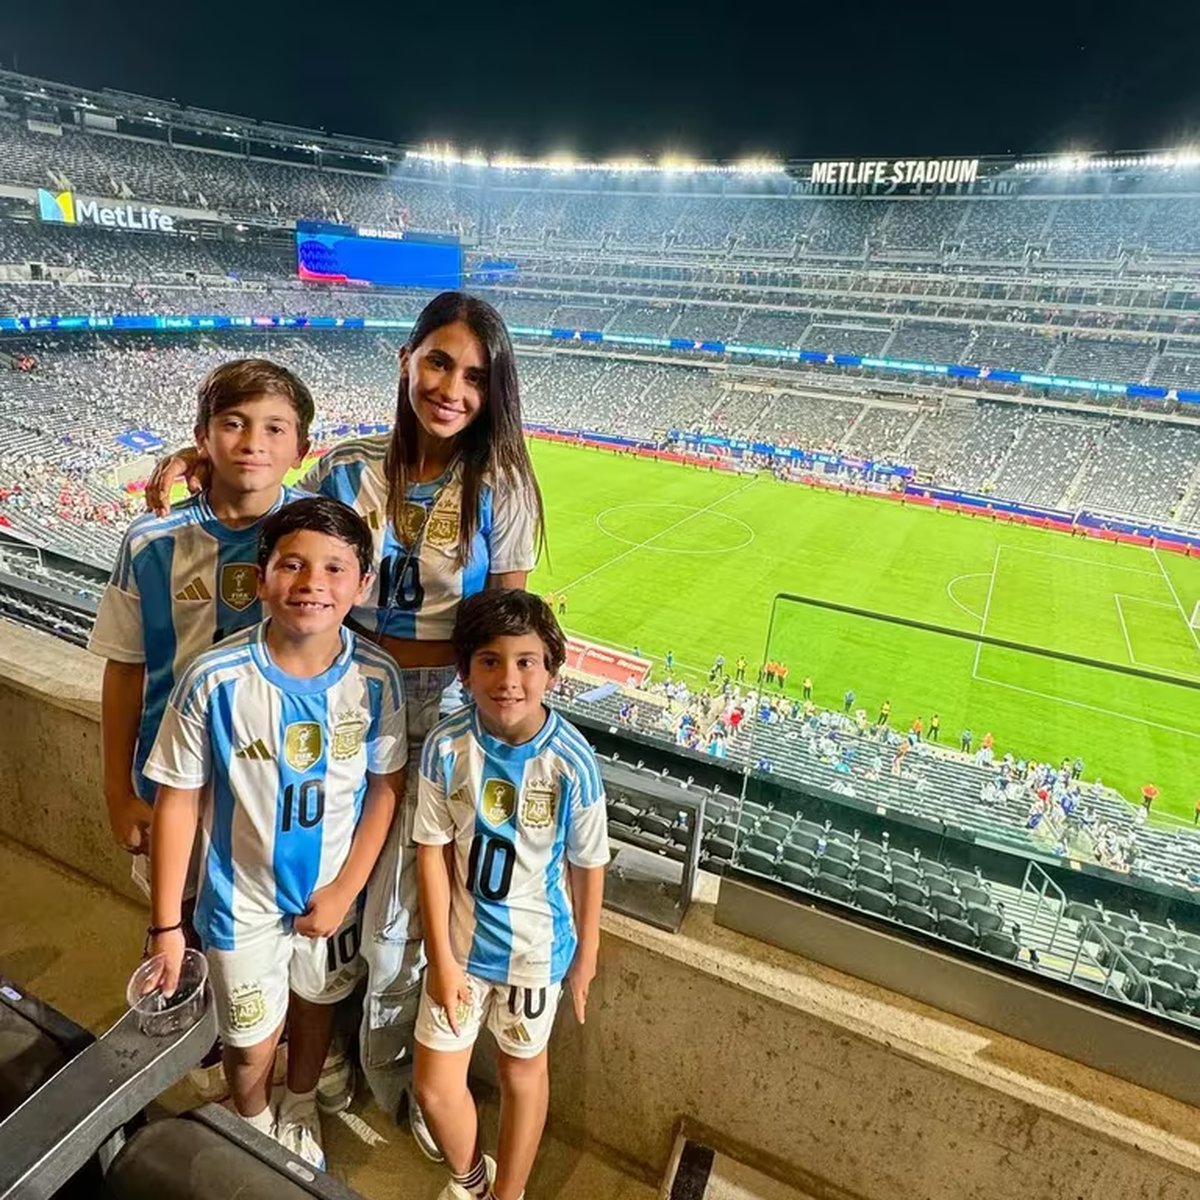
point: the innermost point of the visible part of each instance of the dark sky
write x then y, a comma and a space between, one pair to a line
835, 78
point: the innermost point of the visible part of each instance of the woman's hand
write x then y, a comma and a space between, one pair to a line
187, 465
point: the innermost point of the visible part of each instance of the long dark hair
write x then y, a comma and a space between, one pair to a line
493, 443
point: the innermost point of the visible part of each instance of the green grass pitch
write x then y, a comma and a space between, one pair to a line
665, 557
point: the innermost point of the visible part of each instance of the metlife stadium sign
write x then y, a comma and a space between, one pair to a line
901, 171
68, 209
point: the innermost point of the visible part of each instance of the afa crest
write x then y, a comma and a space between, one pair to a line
539, 804
303, 743
498, 802
348, 734
247, 1007
443, 526
239, 585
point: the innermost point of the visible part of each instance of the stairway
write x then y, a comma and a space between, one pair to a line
699, 1172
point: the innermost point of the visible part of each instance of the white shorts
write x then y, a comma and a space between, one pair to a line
251, 984
520, 1018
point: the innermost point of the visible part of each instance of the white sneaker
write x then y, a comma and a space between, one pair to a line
423, 1135
335, 1088
454, 1191
298, 1130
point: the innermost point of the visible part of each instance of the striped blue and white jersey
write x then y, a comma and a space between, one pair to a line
422, 604
517, 815
181, 583
284, 764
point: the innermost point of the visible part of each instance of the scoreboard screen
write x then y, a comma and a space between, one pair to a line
344, 254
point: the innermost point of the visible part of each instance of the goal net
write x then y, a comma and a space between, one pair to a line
1194, 619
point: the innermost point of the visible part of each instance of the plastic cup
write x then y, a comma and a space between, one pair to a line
159, 1015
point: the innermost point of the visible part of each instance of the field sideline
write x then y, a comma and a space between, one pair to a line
664, 557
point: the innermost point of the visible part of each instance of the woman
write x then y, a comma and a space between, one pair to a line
454, 507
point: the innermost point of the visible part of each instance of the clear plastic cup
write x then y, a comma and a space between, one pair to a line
159, 1015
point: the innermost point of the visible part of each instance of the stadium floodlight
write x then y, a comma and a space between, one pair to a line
677, 164
758, 165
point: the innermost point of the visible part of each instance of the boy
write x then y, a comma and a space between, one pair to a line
288, 742
512, 842
187, 580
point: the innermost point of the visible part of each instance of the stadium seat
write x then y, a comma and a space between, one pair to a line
1141, 963
730, 831
1167, 997
906, 874
1184, 978
901, 858
947, 906
805, 838
911, 914
621, 811
910, 893
873, 901
935, 883
795, 874
718, 848
975, 895
1146, 945
1186, 957
964, 879
1136, 988
958, 931
998, 943
754, 809
872, 861
755, 860
1076, 910
835, 867
839, 889
621, 831
779, 830
984, 919
655, 824
764, 842
1121, 921
1189, 940
1161, 933
808, 827
840, 850
801, 856
872, 879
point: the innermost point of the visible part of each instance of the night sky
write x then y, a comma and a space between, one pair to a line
714, 80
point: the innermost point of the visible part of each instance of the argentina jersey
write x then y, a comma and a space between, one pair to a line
516, 815
181, 583
284, 763
416, 595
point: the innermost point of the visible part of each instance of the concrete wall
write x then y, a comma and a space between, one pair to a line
841, 1087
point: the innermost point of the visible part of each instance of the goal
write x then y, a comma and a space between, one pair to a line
1194, 619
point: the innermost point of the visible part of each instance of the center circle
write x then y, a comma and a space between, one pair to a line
661, 527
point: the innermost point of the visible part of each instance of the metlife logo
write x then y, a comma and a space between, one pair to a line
65, 209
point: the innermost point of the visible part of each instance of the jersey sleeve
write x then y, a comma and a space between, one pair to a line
387, 750
434, 824
118, 633
315, 479
182, 754
511, 542
587, 827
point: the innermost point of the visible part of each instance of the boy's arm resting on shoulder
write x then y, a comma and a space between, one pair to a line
327, 906
120, 717
587, 898
176, 815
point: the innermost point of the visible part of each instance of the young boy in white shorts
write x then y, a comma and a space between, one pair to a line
287, 744
512, 842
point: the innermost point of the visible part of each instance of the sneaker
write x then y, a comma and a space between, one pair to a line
298, 1131
209, 1077
335, 1089
422, 1134
454, 1191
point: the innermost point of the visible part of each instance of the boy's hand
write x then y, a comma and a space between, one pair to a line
579, 980
186, 464
449, 990
129, 817
326, 911
171, 946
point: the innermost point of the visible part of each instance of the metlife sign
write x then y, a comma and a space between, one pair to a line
68, 209
901, 171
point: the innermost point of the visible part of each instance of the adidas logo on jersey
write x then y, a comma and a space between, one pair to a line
194, 591
257, 750
519, 1034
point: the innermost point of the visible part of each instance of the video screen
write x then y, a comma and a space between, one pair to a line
341, 254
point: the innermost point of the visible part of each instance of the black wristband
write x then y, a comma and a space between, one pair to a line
155, 930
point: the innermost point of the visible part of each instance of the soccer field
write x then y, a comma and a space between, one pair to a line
665, 557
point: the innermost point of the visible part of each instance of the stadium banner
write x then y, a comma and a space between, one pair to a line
67, 208
591, 658
830, 462
140, 439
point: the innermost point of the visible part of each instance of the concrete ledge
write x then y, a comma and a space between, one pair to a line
849, 1091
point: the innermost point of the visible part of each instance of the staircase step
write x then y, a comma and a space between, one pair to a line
698, 1172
